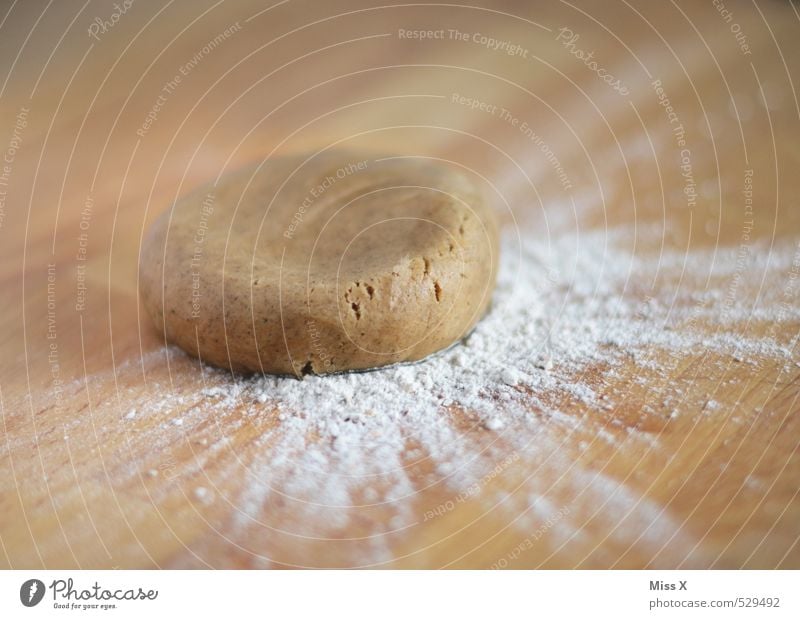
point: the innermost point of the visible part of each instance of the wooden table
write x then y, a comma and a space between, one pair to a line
99, 137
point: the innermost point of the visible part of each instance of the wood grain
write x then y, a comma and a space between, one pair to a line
77, 487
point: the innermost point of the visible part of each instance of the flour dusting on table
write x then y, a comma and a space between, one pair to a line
569, 315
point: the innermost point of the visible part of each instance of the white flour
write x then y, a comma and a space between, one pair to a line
568, 316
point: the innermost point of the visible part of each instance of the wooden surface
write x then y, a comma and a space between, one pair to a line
80, 489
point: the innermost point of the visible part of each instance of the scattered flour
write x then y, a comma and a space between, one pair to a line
568, 315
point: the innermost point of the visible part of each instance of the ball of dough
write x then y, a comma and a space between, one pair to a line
322, 263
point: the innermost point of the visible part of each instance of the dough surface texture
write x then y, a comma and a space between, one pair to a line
319, 264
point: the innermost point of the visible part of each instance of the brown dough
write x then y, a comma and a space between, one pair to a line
323, 264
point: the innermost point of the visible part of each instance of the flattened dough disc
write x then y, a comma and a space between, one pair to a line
313, 265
